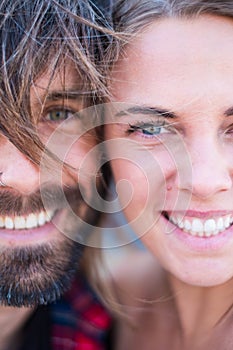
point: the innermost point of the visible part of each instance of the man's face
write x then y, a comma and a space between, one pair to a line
37, 260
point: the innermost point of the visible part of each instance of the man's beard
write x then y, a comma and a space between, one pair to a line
38, 274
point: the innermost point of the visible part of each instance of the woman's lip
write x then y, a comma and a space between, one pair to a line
199, 214
196, 243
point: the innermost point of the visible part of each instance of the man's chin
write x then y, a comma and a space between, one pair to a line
37, 274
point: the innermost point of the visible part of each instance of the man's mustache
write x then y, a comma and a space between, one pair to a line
49, 197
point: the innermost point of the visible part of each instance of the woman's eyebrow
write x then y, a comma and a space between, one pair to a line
229, 112
153, 111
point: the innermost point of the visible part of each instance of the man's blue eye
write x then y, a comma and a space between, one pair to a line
58, 115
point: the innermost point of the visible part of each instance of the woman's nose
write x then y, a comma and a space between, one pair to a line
17, 171
211, 171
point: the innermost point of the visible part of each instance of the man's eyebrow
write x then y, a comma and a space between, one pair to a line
77, 96
154, 111
67, 95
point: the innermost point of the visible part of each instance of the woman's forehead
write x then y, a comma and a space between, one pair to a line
177, 53
182, 36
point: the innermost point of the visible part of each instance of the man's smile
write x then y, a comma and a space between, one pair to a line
22, 222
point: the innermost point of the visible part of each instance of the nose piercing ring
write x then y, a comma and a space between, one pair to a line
2, 184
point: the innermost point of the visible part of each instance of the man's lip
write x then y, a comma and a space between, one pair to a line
25, 222
37, 235
198, 214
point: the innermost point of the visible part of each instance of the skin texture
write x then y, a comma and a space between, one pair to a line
182, 67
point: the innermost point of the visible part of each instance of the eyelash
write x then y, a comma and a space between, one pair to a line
229, 129
141, 126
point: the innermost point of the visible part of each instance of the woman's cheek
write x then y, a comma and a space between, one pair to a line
141, 190
131, 186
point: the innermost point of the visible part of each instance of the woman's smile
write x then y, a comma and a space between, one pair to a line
201, 224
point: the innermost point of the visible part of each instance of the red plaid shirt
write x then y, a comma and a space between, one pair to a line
79, 321
76, 322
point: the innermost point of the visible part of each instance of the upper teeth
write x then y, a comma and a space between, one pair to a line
201, 228
26, 222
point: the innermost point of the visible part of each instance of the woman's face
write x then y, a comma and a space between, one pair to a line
171, 143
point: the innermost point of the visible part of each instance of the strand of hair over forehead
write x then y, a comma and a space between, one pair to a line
61, 27
33, 34
132, 15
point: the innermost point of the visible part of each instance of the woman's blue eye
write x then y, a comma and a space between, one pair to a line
148, 129
58, 115
152, 130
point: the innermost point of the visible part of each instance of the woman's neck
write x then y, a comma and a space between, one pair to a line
200, 309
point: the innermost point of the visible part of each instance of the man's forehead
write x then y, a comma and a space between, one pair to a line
64, 77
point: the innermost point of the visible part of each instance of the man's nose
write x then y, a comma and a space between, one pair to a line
211, 171
18, 172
